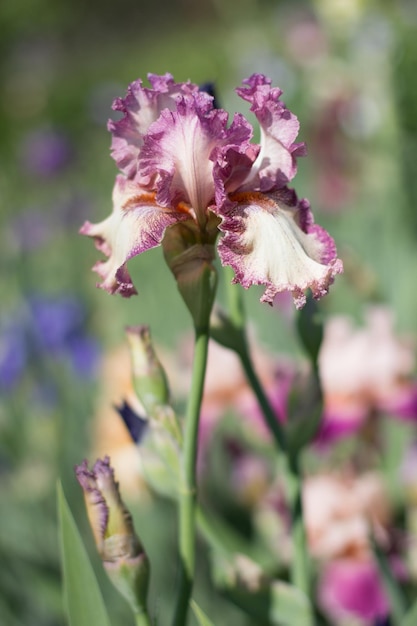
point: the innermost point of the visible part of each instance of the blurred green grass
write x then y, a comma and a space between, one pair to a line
61, 64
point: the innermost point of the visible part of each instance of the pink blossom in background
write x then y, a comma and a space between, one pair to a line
341, 511
335, 177
352, 588
365, 370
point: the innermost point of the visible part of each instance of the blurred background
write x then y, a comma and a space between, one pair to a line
348, 71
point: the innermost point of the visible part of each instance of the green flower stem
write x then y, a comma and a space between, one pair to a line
300, 571
393, 589
269, 414
300, 564
188, 487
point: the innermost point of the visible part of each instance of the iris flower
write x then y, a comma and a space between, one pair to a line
182, 163
110, 521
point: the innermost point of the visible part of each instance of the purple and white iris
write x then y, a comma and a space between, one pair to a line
106, 511
181, 161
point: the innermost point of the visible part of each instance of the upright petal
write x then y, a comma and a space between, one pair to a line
276, 163
136, 224
179, 149
140, 108
270, 240
234, 160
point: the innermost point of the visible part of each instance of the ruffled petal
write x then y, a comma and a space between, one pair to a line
136, 224
276, 163
108, 516
97, 509
233, 161
265, 244
140, 108
181, 147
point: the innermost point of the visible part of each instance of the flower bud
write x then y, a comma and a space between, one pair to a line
190, 258
122, 554
150, 381
149, 378
310, 329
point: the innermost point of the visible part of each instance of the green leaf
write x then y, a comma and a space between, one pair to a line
201, 617
269, 602
289, 606
82, 595
410, 618
392, 586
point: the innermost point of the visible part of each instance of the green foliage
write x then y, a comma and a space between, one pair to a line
289, 606
202, 618
61, 64
410, 618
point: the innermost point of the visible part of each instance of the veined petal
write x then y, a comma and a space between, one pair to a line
276, 163
233, 161
136, 224
97, 509
140, 108
265, 244
110, 521
180, 149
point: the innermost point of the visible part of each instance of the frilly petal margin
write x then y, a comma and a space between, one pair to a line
136, 224
141, 107
97, 509
276, 164
264, 244
183, 148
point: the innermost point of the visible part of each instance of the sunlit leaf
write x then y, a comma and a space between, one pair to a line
83, 599
289, 606
410, 618
201, 617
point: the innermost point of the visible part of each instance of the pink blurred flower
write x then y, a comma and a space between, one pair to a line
340, 512
182, 163
352, 588
365, 370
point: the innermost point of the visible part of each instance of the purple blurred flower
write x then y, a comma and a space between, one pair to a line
13, 356
55, 321
46, 152
50, 326
84, 354
59, 329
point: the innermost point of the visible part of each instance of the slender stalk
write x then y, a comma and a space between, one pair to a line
300, 565
300, 575
293, 480
270, 417
393, 589
188, 487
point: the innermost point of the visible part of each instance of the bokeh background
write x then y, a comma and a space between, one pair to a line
348, 71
